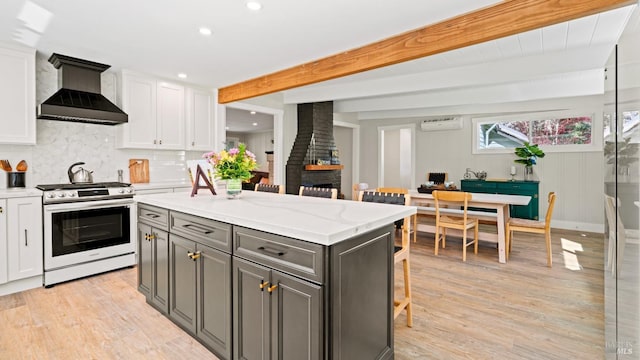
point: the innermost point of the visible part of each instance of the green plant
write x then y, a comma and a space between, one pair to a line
626, 152
528, 154
237, 163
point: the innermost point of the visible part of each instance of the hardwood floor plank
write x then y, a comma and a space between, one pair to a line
475, 310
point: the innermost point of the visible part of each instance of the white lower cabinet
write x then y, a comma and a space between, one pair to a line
24, 237
20, 244
3, 241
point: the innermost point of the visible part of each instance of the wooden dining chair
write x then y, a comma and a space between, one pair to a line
532, 226
271, 188
444, 219
414, 217
401, 253
329, 193
357, 189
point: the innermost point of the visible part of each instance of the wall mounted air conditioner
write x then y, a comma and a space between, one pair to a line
444, 123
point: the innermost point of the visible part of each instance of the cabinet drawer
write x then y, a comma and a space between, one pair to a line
293, 256
155, 216
206, 231
478, 186
517, 188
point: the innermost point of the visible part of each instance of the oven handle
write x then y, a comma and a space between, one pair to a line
84, 205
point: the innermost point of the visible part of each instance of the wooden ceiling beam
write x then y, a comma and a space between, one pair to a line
504, 19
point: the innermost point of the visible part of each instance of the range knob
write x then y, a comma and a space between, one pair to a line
120, 191
51, 195
60, 195
129, 191
71, 194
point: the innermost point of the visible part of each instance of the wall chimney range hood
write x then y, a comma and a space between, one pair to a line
79, 98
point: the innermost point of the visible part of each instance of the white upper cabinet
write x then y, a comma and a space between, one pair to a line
200, 119
156, 113
170, 126
17, 95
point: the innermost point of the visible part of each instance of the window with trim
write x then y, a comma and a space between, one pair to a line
554, 132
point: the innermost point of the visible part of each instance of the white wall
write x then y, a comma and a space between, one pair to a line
343, 138
575, 177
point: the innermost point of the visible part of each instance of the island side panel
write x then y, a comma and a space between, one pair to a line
361, 315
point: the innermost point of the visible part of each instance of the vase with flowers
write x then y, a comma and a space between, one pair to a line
528, 156
234, 166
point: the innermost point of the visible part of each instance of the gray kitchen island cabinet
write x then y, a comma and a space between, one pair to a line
200, 279
153, 256
297, 278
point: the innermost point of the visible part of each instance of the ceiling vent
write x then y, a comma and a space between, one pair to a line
443, 123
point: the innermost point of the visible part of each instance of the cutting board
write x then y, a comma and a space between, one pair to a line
138, 171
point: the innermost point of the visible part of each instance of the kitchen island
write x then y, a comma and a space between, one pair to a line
272, 276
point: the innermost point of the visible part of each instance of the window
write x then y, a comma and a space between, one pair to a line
554, 132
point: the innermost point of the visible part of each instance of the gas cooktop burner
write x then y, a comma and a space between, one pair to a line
102, 185
65, 193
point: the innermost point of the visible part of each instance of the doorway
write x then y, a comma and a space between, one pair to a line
265, 136
396, 156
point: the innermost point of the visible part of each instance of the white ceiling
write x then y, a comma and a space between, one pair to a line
160, 37
239, 120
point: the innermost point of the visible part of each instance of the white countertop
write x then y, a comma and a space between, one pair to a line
317, 220
19, 192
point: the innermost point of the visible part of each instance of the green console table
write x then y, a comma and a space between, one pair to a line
517, 187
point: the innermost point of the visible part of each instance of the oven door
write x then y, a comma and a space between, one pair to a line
80, 232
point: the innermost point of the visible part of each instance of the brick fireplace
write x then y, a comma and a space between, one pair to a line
313, 142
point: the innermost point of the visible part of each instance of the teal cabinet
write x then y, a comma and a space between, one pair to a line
529, 188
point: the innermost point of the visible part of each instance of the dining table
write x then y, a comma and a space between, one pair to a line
498, 202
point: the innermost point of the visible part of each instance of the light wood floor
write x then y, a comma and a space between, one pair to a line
474, 310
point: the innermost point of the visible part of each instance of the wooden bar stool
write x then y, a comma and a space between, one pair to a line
401, 253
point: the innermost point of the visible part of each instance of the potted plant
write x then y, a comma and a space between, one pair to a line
528, 155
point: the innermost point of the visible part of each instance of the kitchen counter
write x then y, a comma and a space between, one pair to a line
316, 220
19, 192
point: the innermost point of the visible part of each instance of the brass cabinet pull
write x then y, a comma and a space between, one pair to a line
263, 285
193, 255
26, 238
1, 210
272, 287
197, 228
154, 142
160, 142
151, 237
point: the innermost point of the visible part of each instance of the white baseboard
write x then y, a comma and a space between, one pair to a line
21, 285
579, 226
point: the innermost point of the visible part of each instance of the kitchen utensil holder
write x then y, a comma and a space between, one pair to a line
15, 179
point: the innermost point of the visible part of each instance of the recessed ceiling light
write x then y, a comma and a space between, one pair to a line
253, 113
205, 31
255, 124
182, 76
254, 5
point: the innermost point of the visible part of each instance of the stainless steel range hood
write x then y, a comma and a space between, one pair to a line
79, 98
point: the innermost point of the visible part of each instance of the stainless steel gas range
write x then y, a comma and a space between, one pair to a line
88, 229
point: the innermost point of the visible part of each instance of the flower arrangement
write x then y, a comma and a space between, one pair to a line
237, 163
528, 154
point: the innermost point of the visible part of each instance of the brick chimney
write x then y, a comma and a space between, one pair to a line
315, 120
